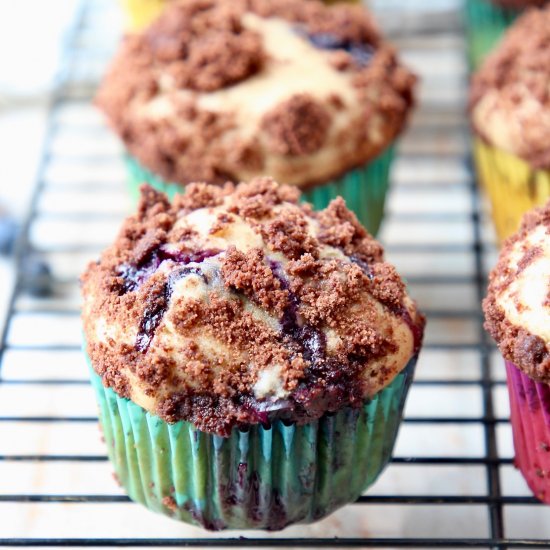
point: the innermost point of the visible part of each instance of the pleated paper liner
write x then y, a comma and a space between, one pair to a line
530, 417
513, 187
266, 477
485, 25
364, 189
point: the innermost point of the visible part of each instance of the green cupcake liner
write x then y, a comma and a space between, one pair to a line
364, 189
137, 175
485, 25
262, 478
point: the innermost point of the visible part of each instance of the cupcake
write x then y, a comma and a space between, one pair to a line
486, 21
510, 112
517, 313
250, 356
139, 13
307, 94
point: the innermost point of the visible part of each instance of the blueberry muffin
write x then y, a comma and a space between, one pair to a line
510, 113
221, 91
250, 356
517, 312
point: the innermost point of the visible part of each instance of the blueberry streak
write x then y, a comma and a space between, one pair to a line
135, 275
327, 382
361, 53
156, 309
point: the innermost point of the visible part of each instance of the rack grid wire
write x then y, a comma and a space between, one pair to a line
451, 483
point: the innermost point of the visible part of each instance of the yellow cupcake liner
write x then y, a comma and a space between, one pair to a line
512, 185
139, 13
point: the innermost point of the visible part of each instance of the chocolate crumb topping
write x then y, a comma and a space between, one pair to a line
249, 274
297, 126
520, 56
202, 48
201, 195
392, 291
288, 233
170, 503
257, 199
529, 351
262, 321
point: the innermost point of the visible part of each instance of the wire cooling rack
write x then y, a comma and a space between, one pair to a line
451, 483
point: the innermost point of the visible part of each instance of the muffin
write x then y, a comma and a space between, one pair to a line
510, 112
139, 13
517, 313
486, 22
307, 94
250, 356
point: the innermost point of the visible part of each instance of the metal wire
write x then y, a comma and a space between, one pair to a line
69, 90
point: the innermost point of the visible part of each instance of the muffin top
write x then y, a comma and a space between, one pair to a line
218, 90
510, 94
517, 307
237, 305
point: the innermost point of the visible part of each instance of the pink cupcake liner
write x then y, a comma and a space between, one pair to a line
530, 417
